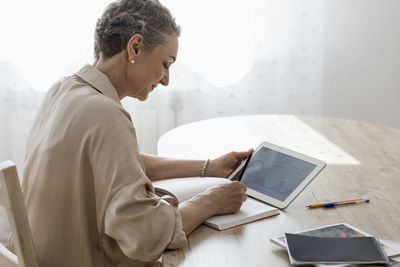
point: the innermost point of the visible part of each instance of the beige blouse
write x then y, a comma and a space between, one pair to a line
88, 199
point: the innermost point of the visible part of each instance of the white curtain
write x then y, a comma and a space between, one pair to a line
235, 57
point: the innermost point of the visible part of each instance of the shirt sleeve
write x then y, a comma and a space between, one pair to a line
128, 211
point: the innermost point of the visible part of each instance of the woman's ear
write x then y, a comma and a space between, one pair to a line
134, 46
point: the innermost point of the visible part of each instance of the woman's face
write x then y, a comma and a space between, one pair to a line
151, 68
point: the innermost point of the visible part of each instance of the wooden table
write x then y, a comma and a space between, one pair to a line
362, 160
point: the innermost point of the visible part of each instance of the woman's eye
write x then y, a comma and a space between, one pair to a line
165, 65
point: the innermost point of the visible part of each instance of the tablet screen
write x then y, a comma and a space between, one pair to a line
275, 174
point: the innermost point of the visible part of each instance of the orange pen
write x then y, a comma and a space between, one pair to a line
335, 203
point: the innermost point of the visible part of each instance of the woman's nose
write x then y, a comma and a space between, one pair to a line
165, 79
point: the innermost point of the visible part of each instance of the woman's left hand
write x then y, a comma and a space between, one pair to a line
224, 165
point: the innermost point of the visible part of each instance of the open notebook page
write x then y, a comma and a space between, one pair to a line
186, 188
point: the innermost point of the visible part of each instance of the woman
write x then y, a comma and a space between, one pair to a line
88, 190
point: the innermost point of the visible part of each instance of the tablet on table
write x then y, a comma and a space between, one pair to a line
277, 175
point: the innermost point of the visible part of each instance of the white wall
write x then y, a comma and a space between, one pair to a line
361, 60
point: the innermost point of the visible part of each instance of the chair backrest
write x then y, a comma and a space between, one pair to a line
11, 198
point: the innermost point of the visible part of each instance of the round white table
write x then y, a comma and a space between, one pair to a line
362, 160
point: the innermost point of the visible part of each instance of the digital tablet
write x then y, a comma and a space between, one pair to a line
276, 175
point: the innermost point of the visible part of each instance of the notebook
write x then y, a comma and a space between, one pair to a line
185, 188
392, 248
304, 249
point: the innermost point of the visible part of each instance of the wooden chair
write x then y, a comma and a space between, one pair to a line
11, 198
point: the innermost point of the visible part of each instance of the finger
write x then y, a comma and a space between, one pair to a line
243, 155
243, 186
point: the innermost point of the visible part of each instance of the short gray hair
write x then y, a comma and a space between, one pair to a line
124, 18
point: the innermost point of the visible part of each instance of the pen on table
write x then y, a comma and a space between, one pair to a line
336, 203
245, 166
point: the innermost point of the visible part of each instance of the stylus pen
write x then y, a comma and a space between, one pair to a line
245, 166
336, 203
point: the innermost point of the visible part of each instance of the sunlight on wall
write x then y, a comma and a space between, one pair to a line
220, 52
46, 40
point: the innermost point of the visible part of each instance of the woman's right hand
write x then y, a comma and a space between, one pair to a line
227, 198
221, 199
